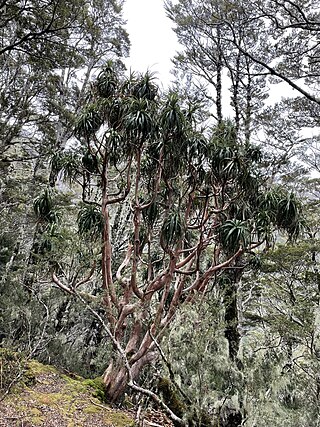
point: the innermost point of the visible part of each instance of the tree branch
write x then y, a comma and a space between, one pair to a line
131, 382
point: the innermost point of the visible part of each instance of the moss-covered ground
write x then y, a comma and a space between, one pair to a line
44, 396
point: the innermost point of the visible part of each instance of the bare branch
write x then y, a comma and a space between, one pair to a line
131, 382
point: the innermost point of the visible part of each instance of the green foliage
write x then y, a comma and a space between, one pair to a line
170, 396
43, 47
44, 208
151, 213
145, 87
138, 121
281, 208
12, 369
69, 165
107, 81
90, 221
288, 216
116, 148
225, 160
173, 228
48, 52
207, 200
89, 121
280, 344
43, 204
225, 134
198, 354
277, 379
192, 191
90, 162
115, 111
235, 233
172, 118
98, 388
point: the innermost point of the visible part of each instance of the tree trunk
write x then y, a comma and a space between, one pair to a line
231, 319
116, 376
231, 309
219, 77
116, 380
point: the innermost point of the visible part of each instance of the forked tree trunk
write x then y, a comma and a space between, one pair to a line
116, 380
116, 377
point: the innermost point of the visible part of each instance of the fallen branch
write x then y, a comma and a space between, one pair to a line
99, 405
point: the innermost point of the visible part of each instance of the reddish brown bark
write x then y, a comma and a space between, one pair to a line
116, 375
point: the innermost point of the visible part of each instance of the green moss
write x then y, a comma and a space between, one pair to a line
35, 412
73, 397
177, 405
36, 417
94, 386
37, 368
170, 397
92, 409
97, 388
52, 399
74, 385
119, 419
32, 415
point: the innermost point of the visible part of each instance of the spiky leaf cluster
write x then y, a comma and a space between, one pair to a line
44, 207
89, 121
107, 81
235, 233
90, 221
173, 228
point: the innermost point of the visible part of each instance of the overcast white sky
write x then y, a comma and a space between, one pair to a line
153, 42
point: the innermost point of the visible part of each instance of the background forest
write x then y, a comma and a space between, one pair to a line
167, 241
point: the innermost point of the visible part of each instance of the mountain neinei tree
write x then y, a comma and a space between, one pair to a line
174, 209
